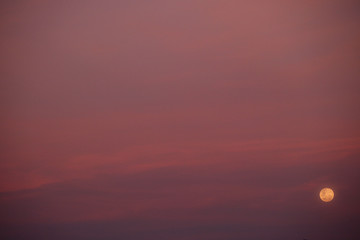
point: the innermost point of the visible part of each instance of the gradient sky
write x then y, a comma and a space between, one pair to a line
179, 120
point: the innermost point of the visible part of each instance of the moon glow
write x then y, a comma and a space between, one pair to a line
326, 194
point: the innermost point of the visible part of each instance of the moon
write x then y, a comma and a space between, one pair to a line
326, 194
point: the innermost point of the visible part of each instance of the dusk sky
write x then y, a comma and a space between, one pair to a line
179, 119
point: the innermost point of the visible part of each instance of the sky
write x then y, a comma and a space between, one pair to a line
179, 120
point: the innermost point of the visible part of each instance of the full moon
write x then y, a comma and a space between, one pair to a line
326, 194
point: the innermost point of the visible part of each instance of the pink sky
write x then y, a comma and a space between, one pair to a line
179, 119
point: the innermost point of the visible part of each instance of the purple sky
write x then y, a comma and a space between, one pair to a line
179, 120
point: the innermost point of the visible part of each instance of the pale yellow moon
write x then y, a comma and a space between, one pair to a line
326, 194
